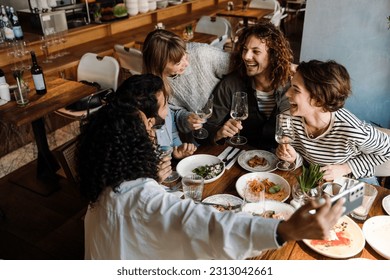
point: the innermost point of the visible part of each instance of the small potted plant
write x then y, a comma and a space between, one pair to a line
308, 186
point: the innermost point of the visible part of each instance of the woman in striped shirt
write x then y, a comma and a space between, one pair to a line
325, 132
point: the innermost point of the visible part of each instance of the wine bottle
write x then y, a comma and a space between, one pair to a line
7, 26
37, 74
17, 28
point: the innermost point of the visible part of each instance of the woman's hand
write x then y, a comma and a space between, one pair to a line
184, 150
164, 169
334, 171
286, 152
194, 121
229, 129
304, 225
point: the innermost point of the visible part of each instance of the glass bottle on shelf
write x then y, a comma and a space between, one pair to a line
7, 26
37, 74
17, 28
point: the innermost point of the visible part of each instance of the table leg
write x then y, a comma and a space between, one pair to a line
45, 174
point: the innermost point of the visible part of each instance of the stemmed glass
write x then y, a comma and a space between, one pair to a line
45, 49
204, 113
284, 134
165, 148
239, 112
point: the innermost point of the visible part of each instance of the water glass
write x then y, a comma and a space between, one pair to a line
193, 187
361, 212
257, 207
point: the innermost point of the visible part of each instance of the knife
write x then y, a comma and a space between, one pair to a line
231, 155
229, 164
226, 207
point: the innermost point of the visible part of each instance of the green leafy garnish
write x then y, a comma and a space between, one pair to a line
209, 171
274, 189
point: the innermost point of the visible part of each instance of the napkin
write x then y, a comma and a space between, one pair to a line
224, 153
233, 161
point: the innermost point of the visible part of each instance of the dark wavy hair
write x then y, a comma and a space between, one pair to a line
279, 51
114, 145
328, 83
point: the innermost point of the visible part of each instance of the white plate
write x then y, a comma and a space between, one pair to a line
224, 199
272, 160
278, 180
349, 243
286, 210
386, 204
174, 3
186, 165
377, 233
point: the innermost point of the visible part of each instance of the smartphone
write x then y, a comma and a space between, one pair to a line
353, 196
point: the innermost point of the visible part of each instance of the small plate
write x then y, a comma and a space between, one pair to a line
280, 208
377, 231
278, 180
174, 3
271, 159
386, 204
186, 165
224, 199
348, 243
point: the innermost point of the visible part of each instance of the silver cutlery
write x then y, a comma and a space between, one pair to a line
230, 156
226, 207
230, 163
225, 153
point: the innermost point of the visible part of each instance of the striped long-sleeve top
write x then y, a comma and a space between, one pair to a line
347, 140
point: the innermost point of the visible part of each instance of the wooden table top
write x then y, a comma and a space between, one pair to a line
291, 250
60, 93
238, 12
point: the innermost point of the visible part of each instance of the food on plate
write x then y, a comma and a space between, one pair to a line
257, 161
272, 214
338, 237
209, 171
221, 208
272, 190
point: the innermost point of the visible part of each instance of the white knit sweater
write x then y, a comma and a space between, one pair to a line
191, 90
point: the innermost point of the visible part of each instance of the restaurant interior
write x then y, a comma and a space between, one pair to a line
44, 221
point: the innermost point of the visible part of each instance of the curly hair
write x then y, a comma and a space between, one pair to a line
279, 51
160, 47
328, 83
114, 145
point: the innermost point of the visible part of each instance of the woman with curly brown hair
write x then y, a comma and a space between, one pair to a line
325, 133
263, 63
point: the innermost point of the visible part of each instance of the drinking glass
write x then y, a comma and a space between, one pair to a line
45, 49
239, 112
204, 114
193, 187
165, 149
284, 134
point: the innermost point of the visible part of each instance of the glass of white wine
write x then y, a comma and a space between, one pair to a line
204, 113
284, 134
239, 112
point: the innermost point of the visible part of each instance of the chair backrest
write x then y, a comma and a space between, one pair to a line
219, 42
265, 4
214, 25
278, 16
383, 170
129, 59
101, 70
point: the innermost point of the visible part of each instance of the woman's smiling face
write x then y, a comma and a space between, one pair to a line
173, 69
300, 102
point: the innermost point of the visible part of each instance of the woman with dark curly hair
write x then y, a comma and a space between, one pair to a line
131, 216
263, 67
325, 132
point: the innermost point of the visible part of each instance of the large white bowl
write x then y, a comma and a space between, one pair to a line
284, 209
278, 180
186, 165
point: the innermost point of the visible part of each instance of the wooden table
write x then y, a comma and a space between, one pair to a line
291, 250
60, 92
246, 15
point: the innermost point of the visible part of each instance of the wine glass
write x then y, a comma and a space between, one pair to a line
45, 49
204, 114
253, 201
284, 134
239, 112
165, 148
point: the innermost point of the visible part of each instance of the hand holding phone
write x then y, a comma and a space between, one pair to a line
353, 197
